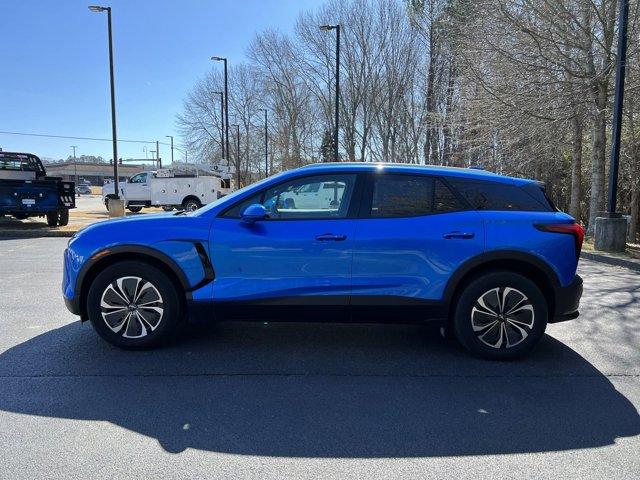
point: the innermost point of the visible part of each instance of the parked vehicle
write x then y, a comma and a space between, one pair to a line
83, 188
27, 191
486, 256
168, 190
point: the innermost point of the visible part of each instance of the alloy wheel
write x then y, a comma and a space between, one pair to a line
502, 317
131, 307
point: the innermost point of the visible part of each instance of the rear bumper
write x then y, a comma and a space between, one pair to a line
568, 301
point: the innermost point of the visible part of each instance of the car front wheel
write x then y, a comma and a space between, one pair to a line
500, 316
133, 305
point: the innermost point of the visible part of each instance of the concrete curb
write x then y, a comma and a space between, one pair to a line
19, 233
611, 260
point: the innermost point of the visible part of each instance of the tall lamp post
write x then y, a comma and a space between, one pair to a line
237, 151
221, 121
226, 101
266, 142
99, 9
337, 106
75, 165
611, 229
171, 137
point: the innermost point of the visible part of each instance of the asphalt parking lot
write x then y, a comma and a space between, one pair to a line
89, 209
312, 401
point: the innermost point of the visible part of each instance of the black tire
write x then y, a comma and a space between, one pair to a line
191, 204
106, 200
134, 209
52, 219
158, 325
500, 335
63, 218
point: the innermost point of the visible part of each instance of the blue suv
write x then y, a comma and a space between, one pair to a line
488, 257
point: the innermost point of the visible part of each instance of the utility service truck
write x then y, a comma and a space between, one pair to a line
169, 190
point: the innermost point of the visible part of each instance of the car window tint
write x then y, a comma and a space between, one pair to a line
445, 200
497, 196
407, 196
238, 208
320, 196
537, 191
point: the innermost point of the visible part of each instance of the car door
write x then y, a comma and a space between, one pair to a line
413, 234
300, 256
137, 188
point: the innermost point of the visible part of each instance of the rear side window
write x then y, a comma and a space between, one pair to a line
500, 196
409, 196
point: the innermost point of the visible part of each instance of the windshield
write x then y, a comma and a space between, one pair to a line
19, 163
235, 195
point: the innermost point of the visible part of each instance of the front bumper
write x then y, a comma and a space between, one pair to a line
567, 301
72, 305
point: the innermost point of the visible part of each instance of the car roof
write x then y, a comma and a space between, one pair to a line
469, 173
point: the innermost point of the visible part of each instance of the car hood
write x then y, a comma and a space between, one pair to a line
146, 229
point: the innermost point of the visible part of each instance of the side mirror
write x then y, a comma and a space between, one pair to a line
254, 213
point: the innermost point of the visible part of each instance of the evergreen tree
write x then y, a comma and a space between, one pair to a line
326, 150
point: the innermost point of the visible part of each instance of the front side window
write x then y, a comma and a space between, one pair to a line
322, 196
411, 195
317, 197
139, 178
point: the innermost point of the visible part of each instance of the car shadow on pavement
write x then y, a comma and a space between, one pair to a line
319, 390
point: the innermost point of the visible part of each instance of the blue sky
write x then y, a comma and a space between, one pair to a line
55, 77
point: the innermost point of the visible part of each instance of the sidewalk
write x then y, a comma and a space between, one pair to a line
630, 259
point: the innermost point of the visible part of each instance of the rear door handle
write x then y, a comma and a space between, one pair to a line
460, 235
331, 237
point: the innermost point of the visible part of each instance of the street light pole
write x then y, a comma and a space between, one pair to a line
336, 27
226, 101
237, 150
266, 142
75, 164
221, 121
618, 104
99, 9
611, 228
171, 137
159, 160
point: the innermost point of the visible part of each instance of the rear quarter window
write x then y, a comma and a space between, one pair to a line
483, 195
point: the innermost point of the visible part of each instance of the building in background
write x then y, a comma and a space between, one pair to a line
94, 173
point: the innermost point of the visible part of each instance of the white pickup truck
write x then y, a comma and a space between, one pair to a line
165, 189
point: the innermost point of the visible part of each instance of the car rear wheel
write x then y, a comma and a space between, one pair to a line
52, 218
134, 305
500, 316
191, 204
63, 219
134, 209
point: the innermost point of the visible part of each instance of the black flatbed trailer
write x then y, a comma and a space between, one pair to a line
27, 191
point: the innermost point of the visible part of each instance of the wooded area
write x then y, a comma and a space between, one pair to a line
523, 88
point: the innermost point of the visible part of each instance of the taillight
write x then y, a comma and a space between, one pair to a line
574, 229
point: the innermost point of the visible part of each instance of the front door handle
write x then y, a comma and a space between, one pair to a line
331, 237
461, 235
